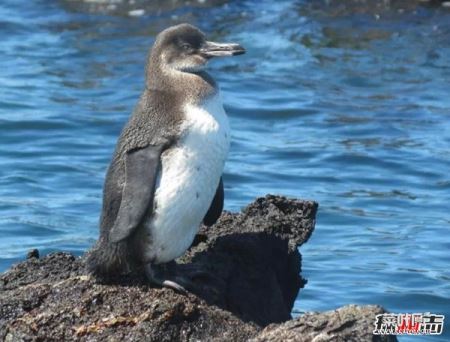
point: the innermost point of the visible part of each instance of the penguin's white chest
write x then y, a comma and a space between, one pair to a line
188, 180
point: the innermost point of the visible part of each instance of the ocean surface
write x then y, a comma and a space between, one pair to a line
348, 106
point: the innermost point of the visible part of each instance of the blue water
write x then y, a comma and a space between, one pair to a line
350, 108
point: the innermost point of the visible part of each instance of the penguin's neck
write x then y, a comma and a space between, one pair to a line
194, 87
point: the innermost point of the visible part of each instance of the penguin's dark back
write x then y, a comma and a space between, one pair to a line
146, 126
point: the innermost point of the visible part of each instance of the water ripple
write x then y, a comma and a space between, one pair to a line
332, 103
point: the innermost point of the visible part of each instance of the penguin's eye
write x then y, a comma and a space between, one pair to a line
186, 46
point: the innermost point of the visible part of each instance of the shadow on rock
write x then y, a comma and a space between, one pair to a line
250, 275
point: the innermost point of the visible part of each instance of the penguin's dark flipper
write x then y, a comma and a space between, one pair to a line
216, 207
141, 168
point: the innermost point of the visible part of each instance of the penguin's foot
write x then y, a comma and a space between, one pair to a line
170, 284
162, 275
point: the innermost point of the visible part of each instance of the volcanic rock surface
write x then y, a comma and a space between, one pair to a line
250, 278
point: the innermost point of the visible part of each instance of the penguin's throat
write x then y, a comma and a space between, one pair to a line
195, 86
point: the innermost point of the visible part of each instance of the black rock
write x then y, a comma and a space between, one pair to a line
33, 253
251, 268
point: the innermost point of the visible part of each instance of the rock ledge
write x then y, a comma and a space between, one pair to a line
252, 268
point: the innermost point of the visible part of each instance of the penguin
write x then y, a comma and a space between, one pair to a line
165, 177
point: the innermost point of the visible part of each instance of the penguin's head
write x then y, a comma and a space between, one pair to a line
185, 48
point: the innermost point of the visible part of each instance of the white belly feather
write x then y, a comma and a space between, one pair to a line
190, 174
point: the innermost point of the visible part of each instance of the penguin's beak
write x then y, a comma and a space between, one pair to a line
212, 49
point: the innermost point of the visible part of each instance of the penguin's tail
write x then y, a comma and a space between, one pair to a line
107, 260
